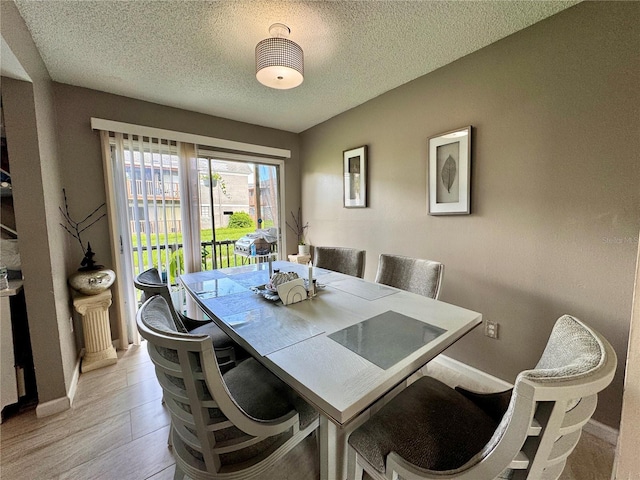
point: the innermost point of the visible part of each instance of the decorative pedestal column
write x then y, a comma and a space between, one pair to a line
302, 259
99, 351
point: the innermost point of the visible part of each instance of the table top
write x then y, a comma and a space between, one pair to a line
336, 349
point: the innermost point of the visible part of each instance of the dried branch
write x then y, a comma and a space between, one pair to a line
299, 228
75, 228
103, 215
92, 213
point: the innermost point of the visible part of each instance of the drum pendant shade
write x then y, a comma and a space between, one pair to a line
279, 61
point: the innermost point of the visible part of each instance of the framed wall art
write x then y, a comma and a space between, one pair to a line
355, 177
449, 173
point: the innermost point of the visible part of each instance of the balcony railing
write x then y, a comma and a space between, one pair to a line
166, 190
172, 226
223, 251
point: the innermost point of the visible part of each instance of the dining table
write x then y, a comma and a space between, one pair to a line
346, 349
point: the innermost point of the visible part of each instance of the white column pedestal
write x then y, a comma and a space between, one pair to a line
99, 351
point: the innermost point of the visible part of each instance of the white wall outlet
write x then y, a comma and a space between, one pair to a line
491, 329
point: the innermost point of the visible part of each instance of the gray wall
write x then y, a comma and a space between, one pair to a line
51, 147
36, 176
80, 146
81, 151
555, 183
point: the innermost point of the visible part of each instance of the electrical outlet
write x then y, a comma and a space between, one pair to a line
71, 322
491, 329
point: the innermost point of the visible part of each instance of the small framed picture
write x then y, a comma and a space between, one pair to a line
449, 173
355, 177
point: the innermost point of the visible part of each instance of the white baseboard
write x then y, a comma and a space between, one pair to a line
63, 403
52, 407
602, 431
495, 384
73, 387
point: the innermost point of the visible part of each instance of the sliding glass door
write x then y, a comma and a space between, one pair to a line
236, 198
181, 209
162, 199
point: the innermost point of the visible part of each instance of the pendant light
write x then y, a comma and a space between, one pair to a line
279, 61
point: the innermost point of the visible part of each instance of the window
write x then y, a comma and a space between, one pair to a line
161, 194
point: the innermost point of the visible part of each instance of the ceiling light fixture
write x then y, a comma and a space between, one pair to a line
279, 61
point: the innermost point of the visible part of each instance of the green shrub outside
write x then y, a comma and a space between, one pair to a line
240, 220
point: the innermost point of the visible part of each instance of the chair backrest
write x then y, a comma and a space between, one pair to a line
349, 261
151, 284
211, 433
415, 275
548, 408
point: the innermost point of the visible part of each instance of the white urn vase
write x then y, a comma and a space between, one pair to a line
304, 249
92, 282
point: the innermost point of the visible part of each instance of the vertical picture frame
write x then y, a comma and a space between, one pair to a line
449, 173
355, 177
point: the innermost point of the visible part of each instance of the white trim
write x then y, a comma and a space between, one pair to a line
593, 427
216, 155
52, 407
63, 403
602, 431
120, 127
73, 386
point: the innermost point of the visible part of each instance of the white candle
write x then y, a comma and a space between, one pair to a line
310, 279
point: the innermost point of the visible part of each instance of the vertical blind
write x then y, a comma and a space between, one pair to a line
155, 181
151, 189
152, 181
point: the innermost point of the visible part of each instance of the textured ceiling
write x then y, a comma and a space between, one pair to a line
199, 55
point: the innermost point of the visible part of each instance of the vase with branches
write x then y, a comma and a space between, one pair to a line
299, 228
75, 229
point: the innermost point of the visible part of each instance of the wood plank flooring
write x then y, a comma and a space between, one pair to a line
117, 430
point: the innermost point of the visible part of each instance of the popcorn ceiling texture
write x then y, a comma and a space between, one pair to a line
199, 55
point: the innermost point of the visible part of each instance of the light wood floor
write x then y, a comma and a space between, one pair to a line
117, 429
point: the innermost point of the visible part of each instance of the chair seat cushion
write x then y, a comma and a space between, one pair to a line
218, 337
264, 396
429, 425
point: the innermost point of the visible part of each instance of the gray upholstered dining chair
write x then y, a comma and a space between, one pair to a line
349, 261
431, 431
227, 351
223, 425
414, 275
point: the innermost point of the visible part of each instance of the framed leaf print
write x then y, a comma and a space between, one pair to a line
449, 173
355, 177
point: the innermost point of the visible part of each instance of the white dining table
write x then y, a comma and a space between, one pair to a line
342, 350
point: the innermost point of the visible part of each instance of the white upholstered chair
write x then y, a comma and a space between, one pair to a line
415, 275
349, 261
227, 351
223, 426
431, 431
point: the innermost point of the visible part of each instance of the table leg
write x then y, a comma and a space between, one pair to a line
333, 446
333, 451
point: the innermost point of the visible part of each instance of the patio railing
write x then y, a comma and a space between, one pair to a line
224, 252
